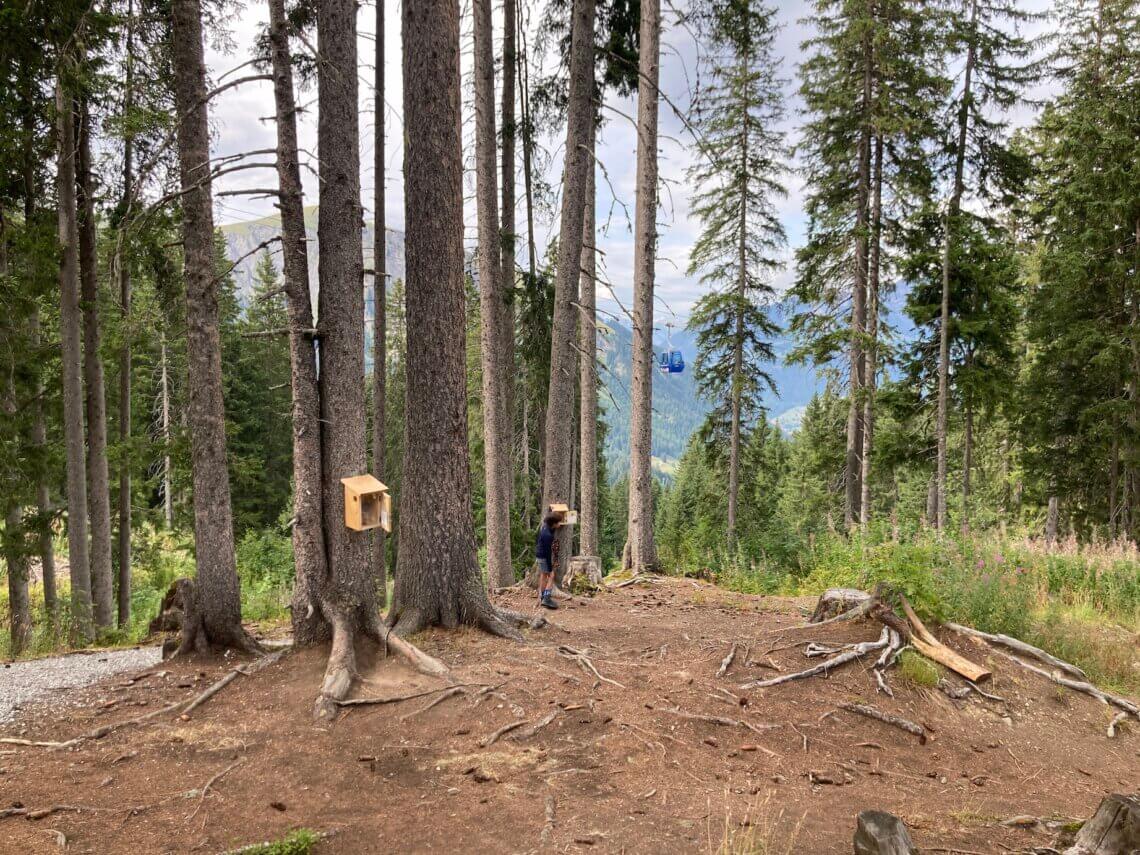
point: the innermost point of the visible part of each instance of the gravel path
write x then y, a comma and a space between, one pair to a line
41, 680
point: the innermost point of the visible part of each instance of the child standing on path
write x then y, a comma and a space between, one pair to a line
545, 555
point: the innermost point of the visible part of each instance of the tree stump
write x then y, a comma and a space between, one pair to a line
835, 601
1113, 830
584, 572
881, 833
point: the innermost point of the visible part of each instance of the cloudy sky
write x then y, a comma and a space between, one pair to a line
240, 124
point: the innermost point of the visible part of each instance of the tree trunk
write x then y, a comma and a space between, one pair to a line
949, 224
167, 467
98, 481
123, 269
643, 552
588, 365
528, 160
71, 348
931, 501
871, 354
507, 238
738, 346
309, 559
39, 431
1113, 484
967, 454
347, 595
1052, 520
217, 589
19, 608
379, 302
560, 397
853, 467
496, 449
437, 577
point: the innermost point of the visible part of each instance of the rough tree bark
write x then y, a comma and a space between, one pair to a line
738, 344
122, 268
167, 468
348, 593
949, 223
588, 359
871, 354
437, 578
507, 233
71, 348
642, 549
496, 450
967, 450
379, 303
557, 449
217, 589
98, 480
853, 467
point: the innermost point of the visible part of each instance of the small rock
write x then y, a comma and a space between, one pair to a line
749, 747
184, 717
708, 740
881, 833
278, 806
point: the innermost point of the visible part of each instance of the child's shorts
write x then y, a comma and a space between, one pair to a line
543, 565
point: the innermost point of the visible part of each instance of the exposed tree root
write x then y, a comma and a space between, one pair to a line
1019, 646
856, 652
886, 718
532, 729
506, 728
210, 783
585, 664
450, 693
340, 670
395, 699
43, 813
930, 647
1117, 720
180, 608
719, 720
885, 660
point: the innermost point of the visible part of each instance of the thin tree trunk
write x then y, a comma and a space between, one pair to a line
1052, 520
1132, 493
71, 347
167, 467
871, 353
98, 481
967, 453
931, 501
437, 578
309, 558
19, 607
39, 430
507, 239
950, 223
123, 268
643, 552
738, 346
853, 467
217, 589
588, 366
559, 434
379, 304
1113, 484
528, 161
496, 452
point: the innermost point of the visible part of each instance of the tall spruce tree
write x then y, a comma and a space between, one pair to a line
737, 183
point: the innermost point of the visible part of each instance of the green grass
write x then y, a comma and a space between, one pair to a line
299, 842
918, 671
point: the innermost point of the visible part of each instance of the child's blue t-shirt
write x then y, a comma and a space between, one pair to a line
545, 540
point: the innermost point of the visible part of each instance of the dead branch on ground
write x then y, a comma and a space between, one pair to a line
1019, 646
450, 693
727, 661
585, 664
1089, 689
719, 720
886, 718
490, 740
856, 652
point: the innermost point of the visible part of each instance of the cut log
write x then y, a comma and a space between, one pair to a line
925, 643
881, 833
1019, 646
1113, 830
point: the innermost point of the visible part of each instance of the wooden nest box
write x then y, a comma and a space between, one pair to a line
569, 517
367, 504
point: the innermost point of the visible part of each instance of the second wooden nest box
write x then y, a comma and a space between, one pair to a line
367, 504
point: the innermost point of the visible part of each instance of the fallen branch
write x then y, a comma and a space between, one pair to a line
490, 740
1080, 686
210, 783
395, 699
631, 581
585, 664
42, 813
859, 650
886, 718
727, 661
1019, 646
930, 647
1116, 720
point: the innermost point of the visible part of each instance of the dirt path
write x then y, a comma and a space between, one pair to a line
618, 768
48, 681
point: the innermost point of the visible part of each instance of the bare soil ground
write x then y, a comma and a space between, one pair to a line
616, 770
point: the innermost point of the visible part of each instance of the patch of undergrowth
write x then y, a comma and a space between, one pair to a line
1079, 602
301, 841
918, 671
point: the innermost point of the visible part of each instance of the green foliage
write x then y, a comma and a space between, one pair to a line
265, 568
301, 841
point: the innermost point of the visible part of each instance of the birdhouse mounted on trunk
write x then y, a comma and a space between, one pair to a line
367, 504
569, 517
